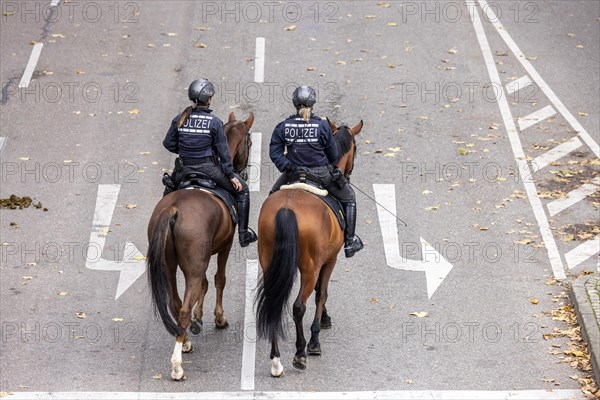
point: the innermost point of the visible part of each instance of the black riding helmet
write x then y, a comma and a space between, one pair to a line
201, 91
304, 96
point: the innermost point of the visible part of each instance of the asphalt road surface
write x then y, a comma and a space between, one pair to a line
480, 133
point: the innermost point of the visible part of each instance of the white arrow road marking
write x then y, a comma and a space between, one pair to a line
435, 266
133, 264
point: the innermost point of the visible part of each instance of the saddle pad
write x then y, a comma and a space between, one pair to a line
331, 201
224, 195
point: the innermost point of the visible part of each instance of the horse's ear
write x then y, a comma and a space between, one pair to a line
249, 121
331, 124
231, 117
356, 130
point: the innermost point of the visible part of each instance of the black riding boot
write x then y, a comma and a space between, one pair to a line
352, 242
247, 235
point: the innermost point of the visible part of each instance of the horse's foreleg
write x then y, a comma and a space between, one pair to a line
314, 346
196, 325
220, 281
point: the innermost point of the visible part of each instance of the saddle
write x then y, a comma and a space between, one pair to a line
200, 181
309, 183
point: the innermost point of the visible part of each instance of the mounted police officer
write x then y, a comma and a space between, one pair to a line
199, 139
312, 148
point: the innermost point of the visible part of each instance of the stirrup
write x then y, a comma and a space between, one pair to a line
247, 237
353, 247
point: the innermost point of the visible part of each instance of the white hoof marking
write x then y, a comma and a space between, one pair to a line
276, 367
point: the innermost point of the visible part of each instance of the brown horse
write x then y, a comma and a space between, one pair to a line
187, 227
298, 231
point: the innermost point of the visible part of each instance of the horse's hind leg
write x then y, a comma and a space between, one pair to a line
196, 325
220, 281
193, 285
314, 346
306, 287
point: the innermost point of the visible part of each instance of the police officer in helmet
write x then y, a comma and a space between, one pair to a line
311, 148
198, 136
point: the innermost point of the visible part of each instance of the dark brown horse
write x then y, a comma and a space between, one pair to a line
187, 227
297, 231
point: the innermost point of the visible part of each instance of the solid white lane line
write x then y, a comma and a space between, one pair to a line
249, 350
2, 143
582, 252
556, 153
519, 84
54, 3
259, 60
517, 147
535, 117
255, 160
33, 59
105, 205
560, 394
573, 197
585, 136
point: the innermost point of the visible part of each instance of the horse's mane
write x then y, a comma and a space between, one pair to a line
344, 141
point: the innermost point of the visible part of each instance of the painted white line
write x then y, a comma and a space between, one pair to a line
519, 84
561, 394
536, 117
537, 78
249, 350
259, 60
255, 160
2, 144
573, 197
515, 142
54, 3
582, 252
133, 264
435, 266
556, 153
33, 59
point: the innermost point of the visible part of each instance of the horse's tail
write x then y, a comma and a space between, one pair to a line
278, 280
157, 269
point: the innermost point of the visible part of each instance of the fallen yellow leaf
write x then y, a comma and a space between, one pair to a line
291, 28
533, 300
134, 111
420, 314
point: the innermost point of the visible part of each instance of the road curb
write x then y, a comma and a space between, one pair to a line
585, 295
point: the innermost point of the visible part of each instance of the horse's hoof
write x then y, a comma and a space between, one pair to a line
313, 350
178, 377
221, 325
196, 327
326, 322
299, 363
276, 368
187, 347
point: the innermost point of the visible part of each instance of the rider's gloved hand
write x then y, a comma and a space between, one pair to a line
290, 168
